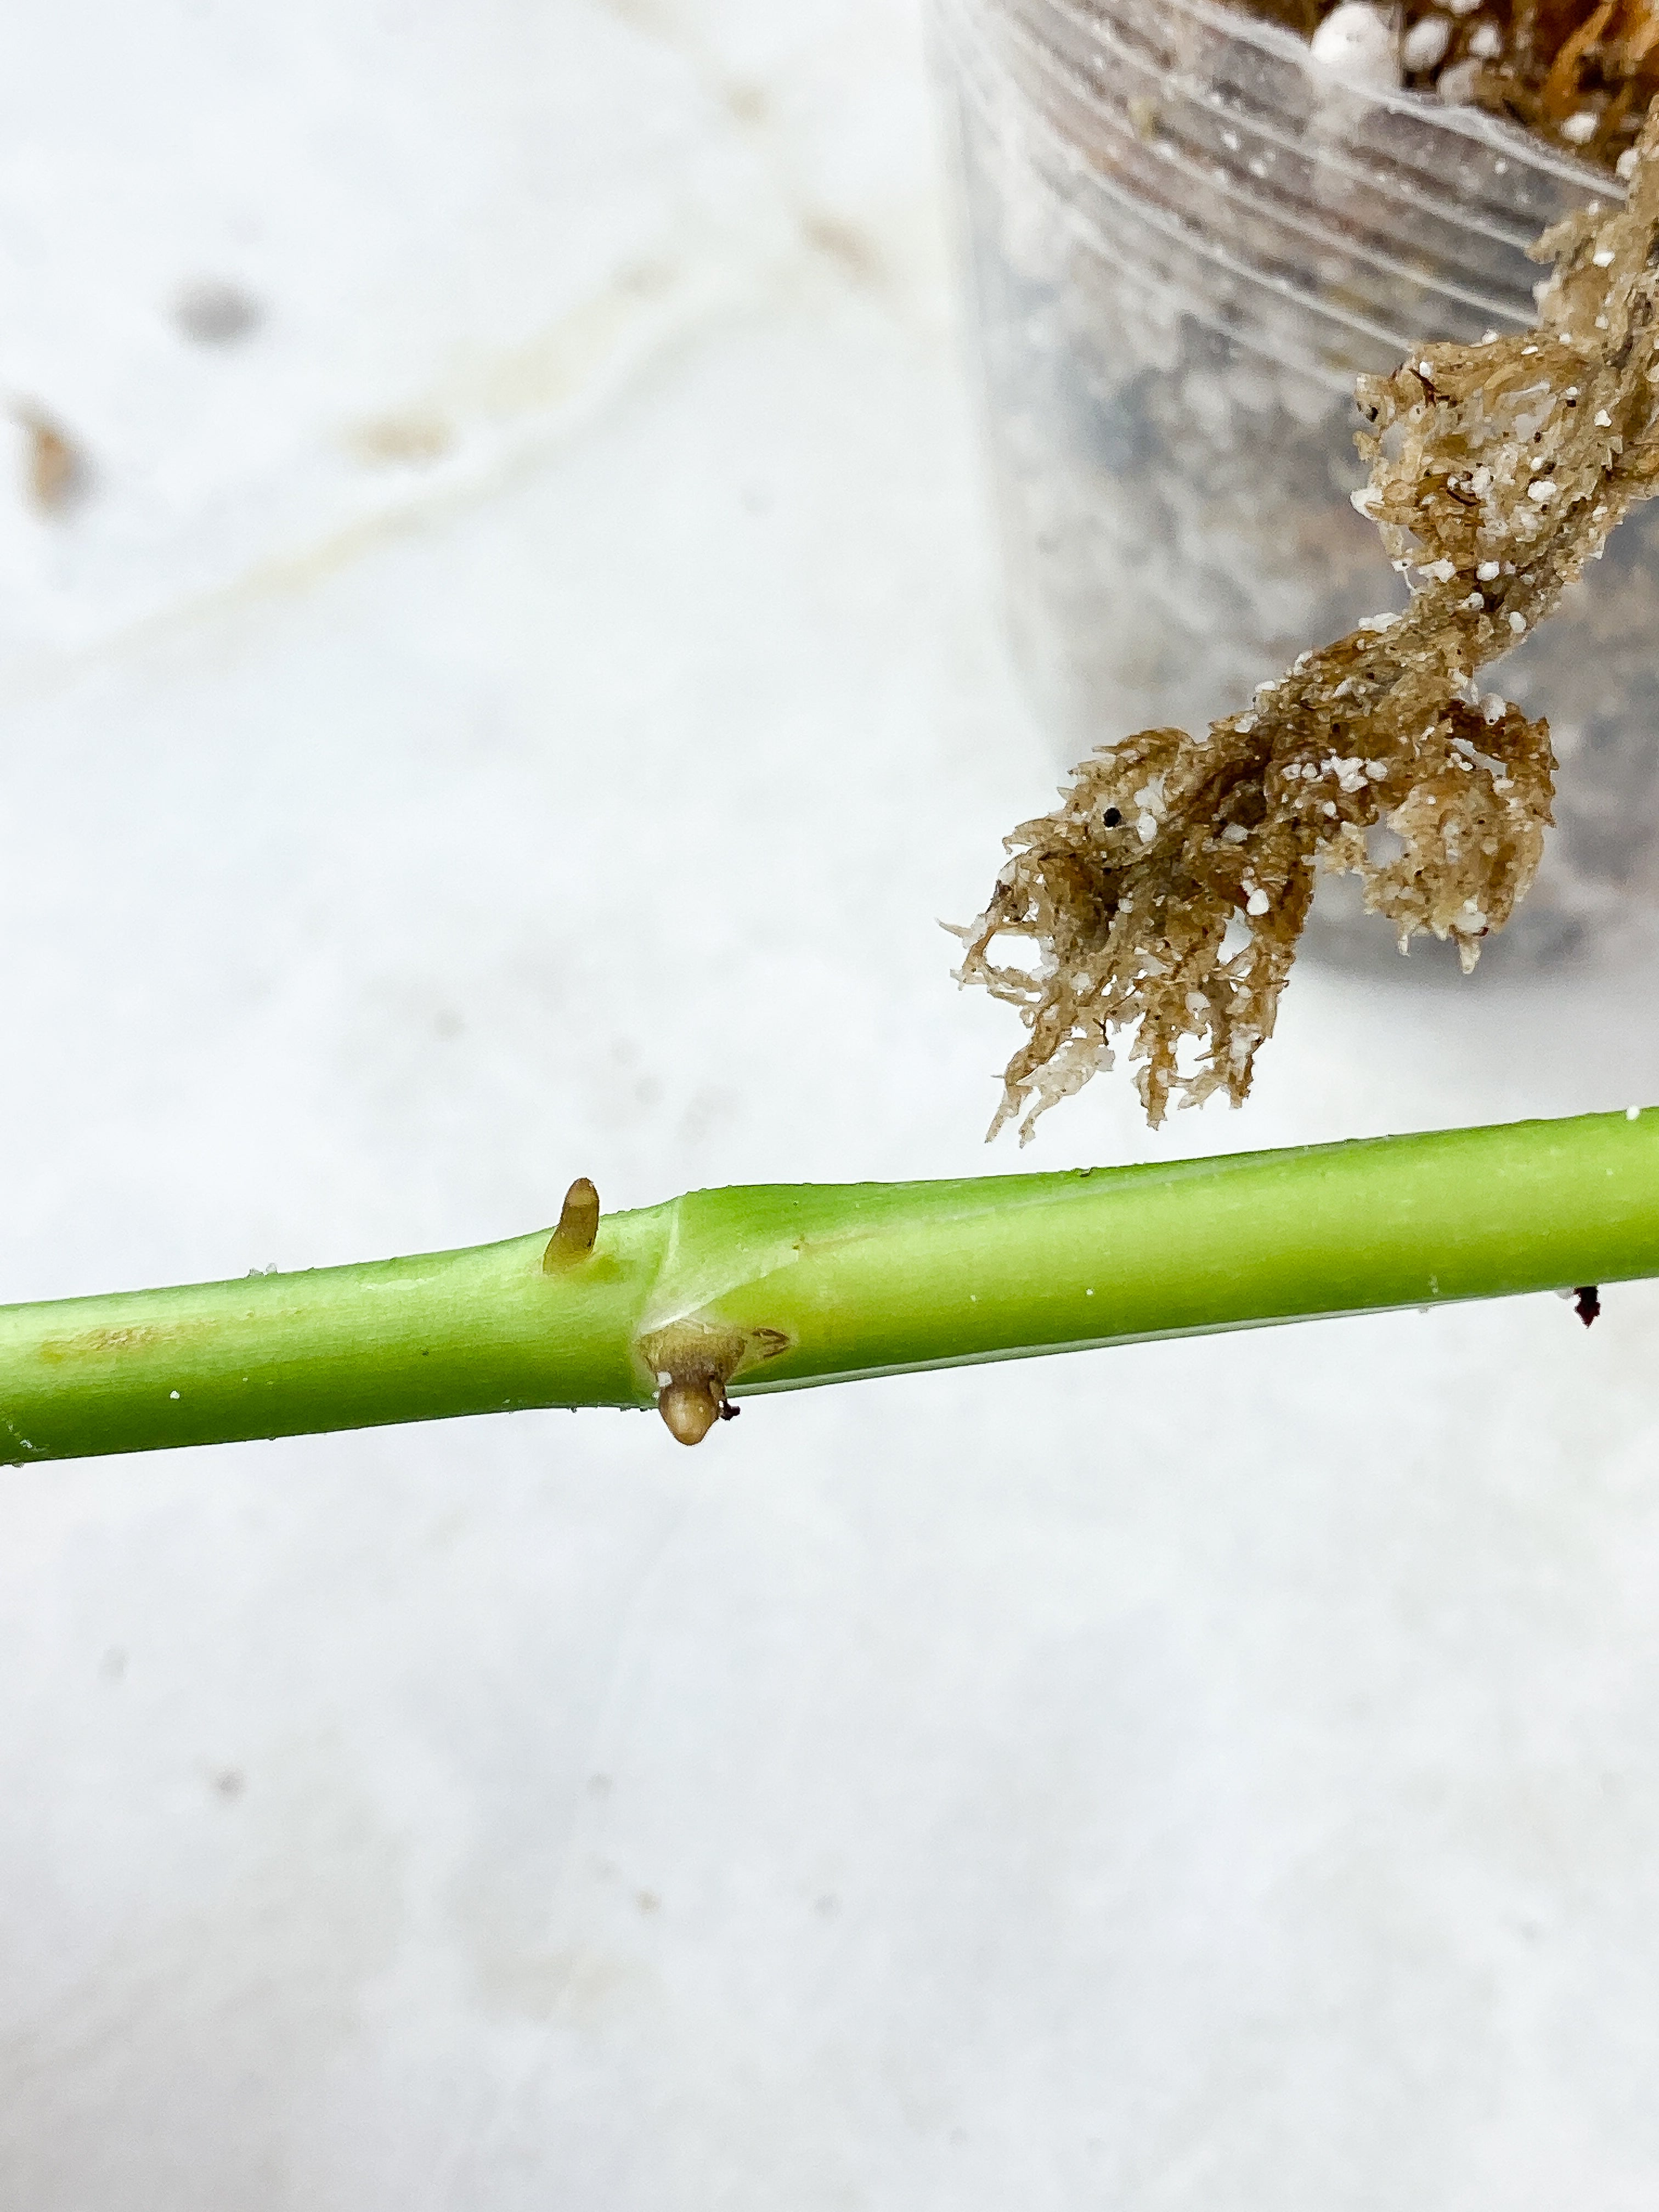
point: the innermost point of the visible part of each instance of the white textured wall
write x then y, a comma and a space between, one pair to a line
1217, 1776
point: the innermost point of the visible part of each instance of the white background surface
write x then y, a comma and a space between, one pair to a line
1219, 1775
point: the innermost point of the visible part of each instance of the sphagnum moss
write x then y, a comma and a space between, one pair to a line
1166, 893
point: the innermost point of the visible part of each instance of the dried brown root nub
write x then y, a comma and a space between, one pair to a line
691, 1362
1166, 893
691, 1409
579, 1225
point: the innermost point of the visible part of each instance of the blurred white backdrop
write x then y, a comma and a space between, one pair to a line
509, 682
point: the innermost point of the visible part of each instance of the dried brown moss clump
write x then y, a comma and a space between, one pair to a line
1579, 73
1165, 895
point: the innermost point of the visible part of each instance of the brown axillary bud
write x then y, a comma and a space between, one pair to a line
691, 1409
579, 1225
692, 1362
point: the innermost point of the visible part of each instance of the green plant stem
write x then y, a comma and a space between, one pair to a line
779, 1286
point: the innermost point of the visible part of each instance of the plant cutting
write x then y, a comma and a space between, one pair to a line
1497, 471
699, 1303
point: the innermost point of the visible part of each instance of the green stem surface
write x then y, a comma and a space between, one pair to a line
797, 1284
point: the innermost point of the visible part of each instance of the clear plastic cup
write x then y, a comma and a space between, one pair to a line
1187, 239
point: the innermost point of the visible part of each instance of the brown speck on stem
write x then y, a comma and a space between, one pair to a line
579, 1225
1586, 1302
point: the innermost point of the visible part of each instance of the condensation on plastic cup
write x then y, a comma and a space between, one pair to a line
1186, 240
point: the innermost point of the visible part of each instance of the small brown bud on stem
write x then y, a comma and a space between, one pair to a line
579, 1225
692, 1361
690, 1409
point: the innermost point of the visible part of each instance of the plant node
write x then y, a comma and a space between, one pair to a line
691, 1362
